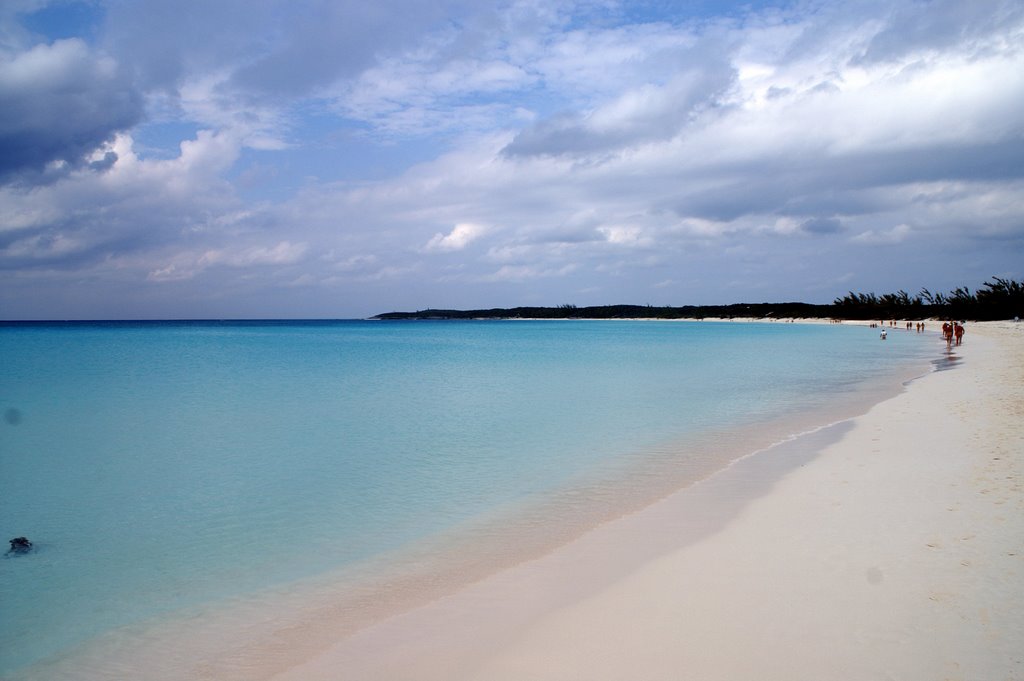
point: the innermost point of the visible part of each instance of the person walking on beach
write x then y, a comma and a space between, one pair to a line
958, 330
947, 332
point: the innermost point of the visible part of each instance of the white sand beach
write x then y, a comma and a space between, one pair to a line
894, 549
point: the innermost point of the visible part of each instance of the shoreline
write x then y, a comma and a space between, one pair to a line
300, 642
896, 550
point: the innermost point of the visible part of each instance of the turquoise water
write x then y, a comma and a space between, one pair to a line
161, 465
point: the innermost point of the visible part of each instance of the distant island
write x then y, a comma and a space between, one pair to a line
996, 299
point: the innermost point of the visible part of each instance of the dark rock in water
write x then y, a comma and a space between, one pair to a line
20, 545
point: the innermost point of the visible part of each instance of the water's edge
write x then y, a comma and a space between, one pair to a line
279, 627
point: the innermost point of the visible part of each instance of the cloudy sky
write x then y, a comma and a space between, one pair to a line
339, 158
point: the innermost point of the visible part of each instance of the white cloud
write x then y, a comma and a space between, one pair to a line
894, 235
128, 216
461, 236
189, 265
282, 253
205, 99
356, 263
622, 235
171, 272
45, 247
518, 273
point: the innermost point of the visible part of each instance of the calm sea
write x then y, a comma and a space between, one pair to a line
158, 466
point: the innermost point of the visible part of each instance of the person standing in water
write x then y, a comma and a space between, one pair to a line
958, 331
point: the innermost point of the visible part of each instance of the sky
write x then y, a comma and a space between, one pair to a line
338, 159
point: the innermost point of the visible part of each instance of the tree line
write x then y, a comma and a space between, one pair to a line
996, 299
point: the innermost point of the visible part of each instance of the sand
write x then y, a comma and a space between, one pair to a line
890, 546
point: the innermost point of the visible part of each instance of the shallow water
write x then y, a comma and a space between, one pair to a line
163, 466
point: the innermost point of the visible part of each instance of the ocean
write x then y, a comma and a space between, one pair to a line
167, 470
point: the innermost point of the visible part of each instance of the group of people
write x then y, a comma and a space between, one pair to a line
953, 332
918, 326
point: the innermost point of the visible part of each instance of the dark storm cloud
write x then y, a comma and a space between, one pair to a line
61, 102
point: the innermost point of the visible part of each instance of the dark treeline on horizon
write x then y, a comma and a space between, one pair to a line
996, 299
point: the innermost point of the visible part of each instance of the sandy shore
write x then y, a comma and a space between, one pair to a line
886, 547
